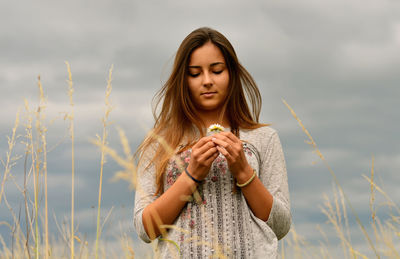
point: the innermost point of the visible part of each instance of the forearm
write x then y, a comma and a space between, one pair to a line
257, 196
166, 208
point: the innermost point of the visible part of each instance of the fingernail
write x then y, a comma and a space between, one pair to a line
213, 139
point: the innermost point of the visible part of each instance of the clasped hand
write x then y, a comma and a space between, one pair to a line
207, 149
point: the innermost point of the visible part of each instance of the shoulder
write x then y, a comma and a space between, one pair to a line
260, 134
265, 139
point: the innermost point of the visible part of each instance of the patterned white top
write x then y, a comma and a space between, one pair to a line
222, 222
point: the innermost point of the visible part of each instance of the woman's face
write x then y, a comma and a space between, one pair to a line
208, 78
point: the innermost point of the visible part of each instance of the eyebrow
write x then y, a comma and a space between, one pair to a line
212, 65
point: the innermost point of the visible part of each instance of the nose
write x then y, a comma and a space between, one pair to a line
207, 80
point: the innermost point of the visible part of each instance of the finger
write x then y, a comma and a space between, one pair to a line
231, 151
207, 158
224, 152
233, 140
209, 153
212, 158
231, 136
219, 142
205, 147
202, 141
224, 142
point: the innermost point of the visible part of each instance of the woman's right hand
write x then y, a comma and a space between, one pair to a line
204, 152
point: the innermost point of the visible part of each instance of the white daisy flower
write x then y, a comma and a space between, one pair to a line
215, 128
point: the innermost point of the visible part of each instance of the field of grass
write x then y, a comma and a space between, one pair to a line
28, 231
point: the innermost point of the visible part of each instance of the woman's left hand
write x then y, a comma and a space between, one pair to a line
232, 148
257, 196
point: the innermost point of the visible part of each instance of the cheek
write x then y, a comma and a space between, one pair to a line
193, 90
192, 87
224, 82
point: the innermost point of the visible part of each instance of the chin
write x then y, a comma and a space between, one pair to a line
210, 108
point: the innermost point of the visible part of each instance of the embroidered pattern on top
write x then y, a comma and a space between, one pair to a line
191, 215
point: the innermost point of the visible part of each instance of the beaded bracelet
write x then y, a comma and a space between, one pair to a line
248, 181
197, 181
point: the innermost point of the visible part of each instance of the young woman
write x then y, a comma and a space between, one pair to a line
208, 195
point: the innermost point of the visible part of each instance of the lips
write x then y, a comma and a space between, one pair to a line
208, 93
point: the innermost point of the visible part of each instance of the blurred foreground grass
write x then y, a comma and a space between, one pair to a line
28, 231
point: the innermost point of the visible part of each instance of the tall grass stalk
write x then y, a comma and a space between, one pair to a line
384, 233
71, 119
35, 156
28, 151
318, 152
108, 109
42, 134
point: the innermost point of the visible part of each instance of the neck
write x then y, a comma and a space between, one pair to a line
209, 118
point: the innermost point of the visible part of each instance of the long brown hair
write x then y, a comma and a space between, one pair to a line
177, 121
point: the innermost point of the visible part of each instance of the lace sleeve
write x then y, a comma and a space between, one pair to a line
274, 177
144, 195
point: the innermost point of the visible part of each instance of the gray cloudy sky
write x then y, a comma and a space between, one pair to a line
334, 61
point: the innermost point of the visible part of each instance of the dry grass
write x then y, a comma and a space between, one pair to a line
29, 228
336, 213
102, 160
70, 117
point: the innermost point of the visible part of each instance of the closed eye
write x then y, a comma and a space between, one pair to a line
217, 72
194, 75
